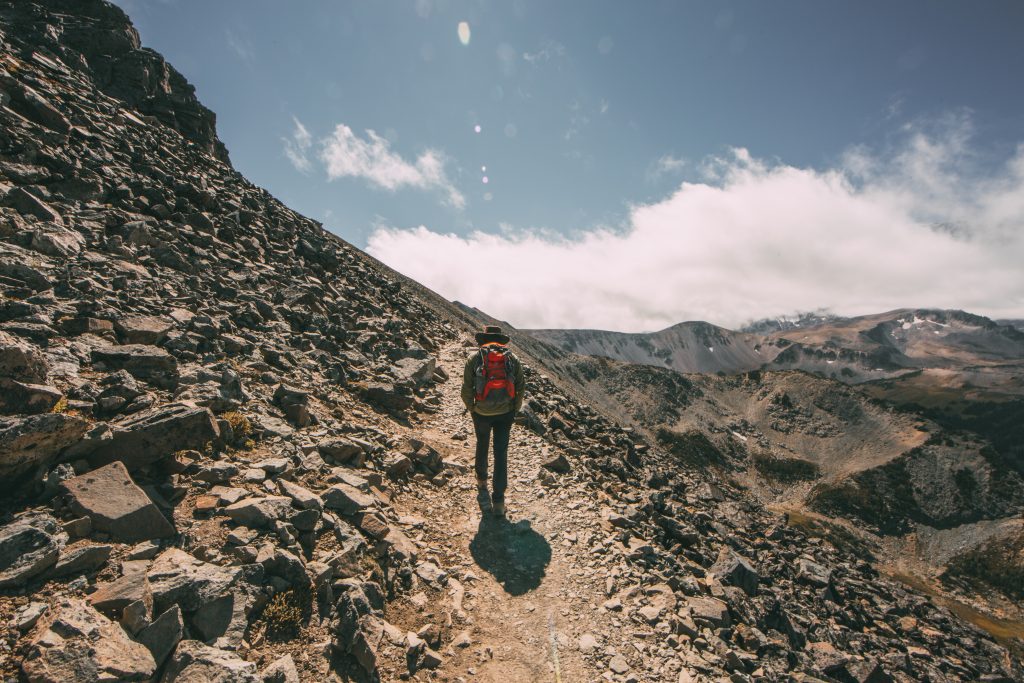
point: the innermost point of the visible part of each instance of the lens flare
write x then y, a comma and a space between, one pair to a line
483, 169
464, 32
477, 128
486, 180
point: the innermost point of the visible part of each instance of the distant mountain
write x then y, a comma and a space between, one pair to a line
947, 348
686, 347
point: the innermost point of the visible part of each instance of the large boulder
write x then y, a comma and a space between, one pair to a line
176, 577
155, 434
346, 499
734, 570
145, 362
414, 371
261, 512
143, 329
389, 396
29, 443
114, 503
73, 643
194, 662
294, 403
24, 398
55, 240
29, 546
163, 635
20, 360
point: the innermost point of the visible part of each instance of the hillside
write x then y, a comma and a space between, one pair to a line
686, 347
232, 448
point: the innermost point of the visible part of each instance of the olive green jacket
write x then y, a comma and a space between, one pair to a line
469, 387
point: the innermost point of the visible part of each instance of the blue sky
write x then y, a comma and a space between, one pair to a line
591, 113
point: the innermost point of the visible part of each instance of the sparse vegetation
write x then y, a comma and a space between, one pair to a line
998, 563
283, 615
882, 497
241, 427
839, 536
61, 406
691, 447
785, 470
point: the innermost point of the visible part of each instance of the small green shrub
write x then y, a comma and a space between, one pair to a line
283, 616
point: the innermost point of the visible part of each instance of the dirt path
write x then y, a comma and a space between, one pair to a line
529, 581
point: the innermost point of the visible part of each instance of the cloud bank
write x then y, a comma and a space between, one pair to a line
920, 225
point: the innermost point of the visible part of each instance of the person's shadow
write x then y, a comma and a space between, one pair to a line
514, 554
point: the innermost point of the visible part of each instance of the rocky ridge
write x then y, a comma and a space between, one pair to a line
232, 448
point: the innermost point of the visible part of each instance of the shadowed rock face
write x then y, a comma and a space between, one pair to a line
98, 37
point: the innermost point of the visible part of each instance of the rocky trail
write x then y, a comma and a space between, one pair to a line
232, 448
522, 591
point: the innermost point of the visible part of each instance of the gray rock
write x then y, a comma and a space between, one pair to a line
281, 670
81, 560
259, 513
709, 610
74, 643
163, 635
340, 450
414, 371
559, 464
24, 398
813, 573
20, 360
34, 442
302, 497
145, 362
176, 577
29, 615
115, 505
734, 570
388, 395
150, 330
397, 465
194, 662
29, 546
346, 499
54, 240
28, 204
112, 598
155, 434
222, 622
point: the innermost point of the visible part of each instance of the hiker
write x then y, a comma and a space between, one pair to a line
492, 389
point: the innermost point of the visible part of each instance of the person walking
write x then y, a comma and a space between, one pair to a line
492, 389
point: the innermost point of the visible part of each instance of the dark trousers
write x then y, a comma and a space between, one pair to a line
500, 426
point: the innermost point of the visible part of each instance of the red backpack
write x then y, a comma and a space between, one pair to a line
495, 376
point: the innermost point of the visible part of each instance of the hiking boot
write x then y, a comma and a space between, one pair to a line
498, 508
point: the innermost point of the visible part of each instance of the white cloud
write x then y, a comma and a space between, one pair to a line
918, 225
296, 147
549, 50
666, 164
241, 46
346, 154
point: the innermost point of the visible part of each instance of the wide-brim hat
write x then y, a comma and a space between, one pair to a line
491, 334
